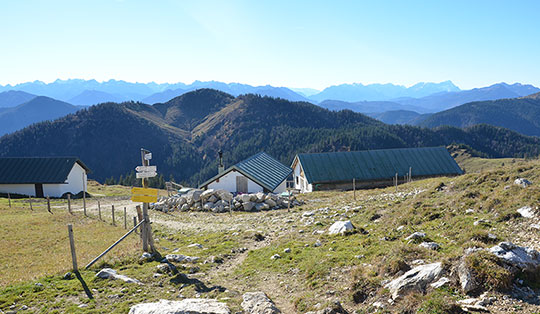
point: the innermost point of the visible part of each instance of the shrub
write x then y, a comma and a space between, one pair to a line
489, 270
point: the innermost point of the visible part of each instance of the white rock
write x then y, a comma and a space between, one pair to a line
181, 258
244, 198
248, 206
340, 227
207, 193
224, 195
416, 235
415, 279
307, 214
270, 202
400, 228
109, 273
208, 206
430, 245
197, 245
521, 257
212, 198
469, 211
287, 250
439, 283
522, 182
526, 211
258, 303
275, 256
186, 306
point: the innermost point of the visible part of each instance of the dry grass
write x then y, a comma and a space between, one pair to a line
35, 244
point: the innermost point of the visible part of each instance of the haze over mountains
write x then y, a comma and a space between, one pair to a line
186, 132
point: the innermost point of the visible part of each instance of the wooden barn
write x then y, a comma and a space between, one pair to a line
42, 176
258, 173
370, 168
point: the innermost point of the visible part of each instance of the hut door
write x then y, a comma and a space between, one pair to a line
39, 190
241, 184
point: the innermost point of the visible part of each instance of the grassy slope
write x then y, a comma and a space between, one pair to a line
309, 274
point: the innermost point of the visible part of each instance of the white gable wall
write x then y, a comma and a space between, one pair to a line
74, 183
300, 182
227, 182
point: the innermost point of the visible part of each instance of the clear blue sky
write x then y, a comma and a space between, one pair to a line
282, 43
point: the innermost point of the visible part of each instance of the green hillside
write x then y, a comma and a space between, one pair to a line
185, 134
518, 114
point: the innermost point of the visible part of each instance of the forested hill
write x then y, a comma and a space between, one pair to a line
185, 134
519, 114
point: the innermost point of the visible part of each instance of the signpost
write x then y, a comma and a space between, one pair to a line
145, 195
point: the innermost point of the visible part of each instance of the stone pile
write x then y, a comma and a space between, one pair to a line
219, 201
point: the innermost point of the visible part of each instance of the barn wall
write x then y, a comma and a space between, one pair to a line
23, 189
227, 182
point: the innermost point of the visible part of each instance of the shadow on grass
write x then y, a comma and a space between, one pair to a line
84, 285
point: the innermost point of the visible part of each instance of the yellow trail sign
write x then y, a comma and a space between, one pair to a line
144, 195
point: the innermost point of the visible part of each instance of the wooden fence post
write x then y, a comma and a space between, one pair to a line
125, 218
140, 216
135, 222
72, 246
354, 188
69, 203
49, 205
9, 199
30, 199
99, 209
289, 202
396, 181
84, 196
113, 220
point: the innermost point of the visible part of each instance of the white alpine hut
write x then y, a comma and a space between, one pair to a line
42, 176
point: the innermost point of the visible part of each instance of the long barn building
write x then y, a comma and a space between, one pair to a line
370, 168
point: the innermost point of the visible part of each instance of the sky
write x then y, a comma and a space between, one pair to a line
289, 43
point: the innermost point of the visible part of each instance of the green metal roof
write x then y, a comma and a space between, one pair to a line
260, 168
30, 170
377, 164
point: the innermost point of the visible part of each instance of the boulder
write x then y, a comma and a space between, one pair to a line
248, 206
224, 195
526, 211
270, 202
517, 256
258, 303
191, 306
522, 182
109, 273
185, 207
466, 278
260, 197
212, 198
415, 279
208, 206
195, 195
244, 198
207, 193
340, 227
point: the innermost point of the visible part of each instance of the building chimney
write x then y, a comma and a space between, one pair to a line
221, 168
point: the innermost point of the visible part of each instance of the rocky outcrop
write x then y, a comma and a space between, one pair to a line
517, 256
258, 303
416, 279
186, 306
219, 201
341, 227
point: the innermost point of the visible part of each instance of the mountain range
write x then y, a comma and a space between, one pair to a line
519, 114
35, 110
186, 132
